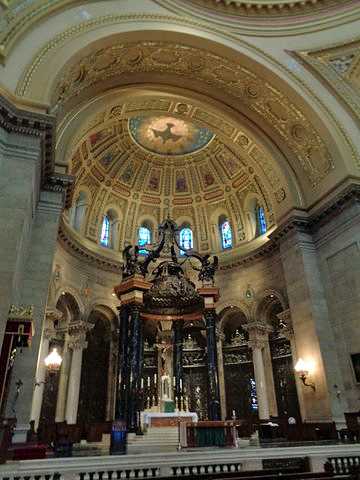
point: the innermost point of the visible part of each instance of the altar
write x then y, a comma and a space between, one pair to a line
170, 419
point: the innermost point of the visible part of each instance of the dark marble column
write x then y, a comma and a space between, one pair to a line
123, 365
213, 382
135, 354
178, 360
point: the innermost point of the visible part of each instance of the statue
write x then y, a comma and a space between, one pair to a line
131, 264
208, 269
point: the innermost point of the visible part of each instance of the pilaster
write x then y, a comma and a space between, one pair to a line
314, 340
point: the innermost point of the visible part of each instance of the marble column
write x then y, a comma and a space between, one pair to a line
269, 376
122, 389
63, 381
130, 293
312, 329
212, 366
135, 369
221, 372
49, 332
178, 360
77, 343
258, 338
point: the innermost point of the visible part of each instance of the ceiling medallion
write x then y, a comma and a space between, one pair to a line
168, 135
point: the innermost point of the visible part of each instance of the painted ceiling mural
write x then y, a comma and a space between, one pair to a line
168, 135
121, 160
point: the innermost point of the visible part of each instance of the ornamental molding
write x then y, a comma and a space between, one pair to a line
21, 313
77, 334
338, 67
59, 40
30, 123
301, 221
287, 120
271, 8
265, 18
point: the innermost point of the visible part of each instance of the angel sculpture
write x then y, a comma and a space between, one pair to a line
131, 264
208, 269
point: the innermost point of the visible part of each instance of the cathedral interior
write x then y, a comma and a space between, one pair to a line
180, 234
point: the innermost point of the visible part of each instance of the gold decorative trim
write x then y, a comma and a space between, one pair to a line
24, 17
336, 66
257, 21
270, 8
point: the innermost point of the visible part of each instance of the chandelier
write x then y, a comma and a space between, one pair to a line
53, 361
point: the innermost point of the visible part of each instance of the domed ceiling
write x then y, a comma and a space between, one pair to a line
149, 157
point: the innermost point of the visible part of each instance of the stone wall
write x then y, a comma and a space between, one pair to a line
339, 260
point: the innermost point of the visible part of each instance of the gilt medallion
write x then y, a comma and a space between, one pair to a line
167, 135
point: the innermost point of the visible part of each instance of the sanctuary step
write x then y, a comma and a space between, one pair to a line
156, 439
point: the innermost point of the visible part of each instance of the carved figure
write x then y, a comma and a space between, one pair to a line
208, 269
131, 263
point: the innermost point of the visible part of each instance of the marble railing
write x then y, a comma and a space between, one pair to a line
175, 465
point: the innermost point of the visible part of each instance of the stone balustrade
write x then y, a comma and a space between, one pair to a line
174, 465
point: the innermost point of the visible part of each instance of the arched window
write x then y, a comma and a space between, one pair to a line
186, 239
225, 233
260, 220
144, 238
105, 232
79, 211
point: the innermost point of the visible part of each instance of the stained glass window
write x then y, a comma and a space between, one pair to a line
253, 395
186, 239
105, 232
226, 234
261, 220
144, 239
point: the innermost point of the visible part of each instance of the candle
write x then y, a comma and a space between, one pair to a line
155, 378
174, 380
148, 381
180, 384
234, 414
142, 383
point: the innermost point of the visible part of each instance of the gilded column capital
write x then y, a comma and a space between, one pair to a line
77, 334
258, 334
257, 343
53, 315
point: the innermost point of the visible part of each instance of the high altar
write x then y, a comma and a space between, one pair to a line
156, 289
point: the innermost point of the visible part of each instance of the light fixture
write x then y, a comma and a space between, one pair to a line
53, 361
303, 368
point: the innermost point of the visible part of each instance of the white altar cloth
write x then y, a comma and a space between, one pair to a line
147, 416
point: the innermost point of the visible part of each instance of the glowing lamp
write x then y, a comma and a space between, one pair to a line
303, 368
53, 361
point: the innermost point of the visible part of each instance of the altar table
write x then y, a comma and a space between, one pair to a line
211, 434
163, 419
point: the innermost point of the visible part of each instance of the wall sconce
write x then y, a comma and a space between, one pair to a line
303, 368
